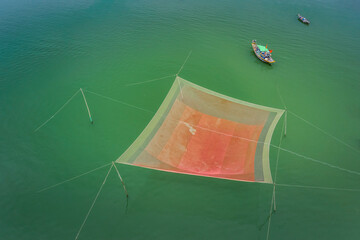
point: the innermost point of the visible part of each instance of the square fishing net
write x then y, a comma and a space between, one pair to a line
200, 132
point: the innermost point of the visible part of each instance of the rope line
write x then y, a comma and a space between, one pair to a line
184, 62
272, 145
273, 199
318, 161
92, 205
281, 98
317, 187
182, 96
57, 111
325, 132
126, 192
313, 125
70, 179
284, 105
152, 80
277, 163
118, 101
278, 153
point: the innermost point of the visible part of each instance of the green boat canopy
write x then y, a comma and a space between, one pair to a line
263, 48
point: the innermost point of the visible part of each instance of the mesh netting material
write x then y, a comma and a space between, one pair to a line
200, 132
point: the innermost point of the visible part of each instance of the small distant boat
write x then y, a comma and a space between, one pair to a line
302, 19
262, 52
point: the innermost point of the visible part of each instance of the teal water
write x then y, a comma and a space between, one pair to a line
49, 49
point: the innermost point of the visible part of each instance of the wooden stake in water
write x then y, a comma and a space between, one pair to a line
87, 106
122, 182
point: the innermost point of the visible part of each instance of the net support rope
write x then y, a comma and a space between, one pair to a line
285, 107
313, 125
160, 78
318, 187
182, 96
277, 184
147, 81
177, 74
318, 161
273, 199
122, 182
118, 101
73, 178
278, 147
272, 145
115, 100
88, 109
92, 205
277, 162
283, 149
325, 132
182, 66
270, 215
281, 98
57, 111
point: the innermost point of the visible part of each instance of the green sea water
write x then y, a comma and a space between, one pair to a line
50, 49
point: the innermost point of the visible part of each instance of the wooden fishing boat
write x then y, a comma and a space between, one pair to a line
302, 19
262, 52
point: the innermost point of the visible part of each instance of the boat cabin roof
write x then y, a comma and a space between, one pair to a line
263, 48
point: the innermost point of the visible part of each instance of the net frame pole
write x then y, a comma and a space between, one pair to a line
273, 198
122, 181
270, 214
88, 109
277, 162
284, 105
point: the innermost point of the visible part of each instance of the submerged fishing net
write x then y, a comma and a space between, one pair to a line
200, 132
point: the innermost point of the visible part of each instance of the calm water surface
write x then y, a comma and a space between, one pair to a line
49, 49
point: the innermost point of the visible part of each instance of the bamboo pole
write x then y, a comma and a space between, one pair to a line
87, 106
